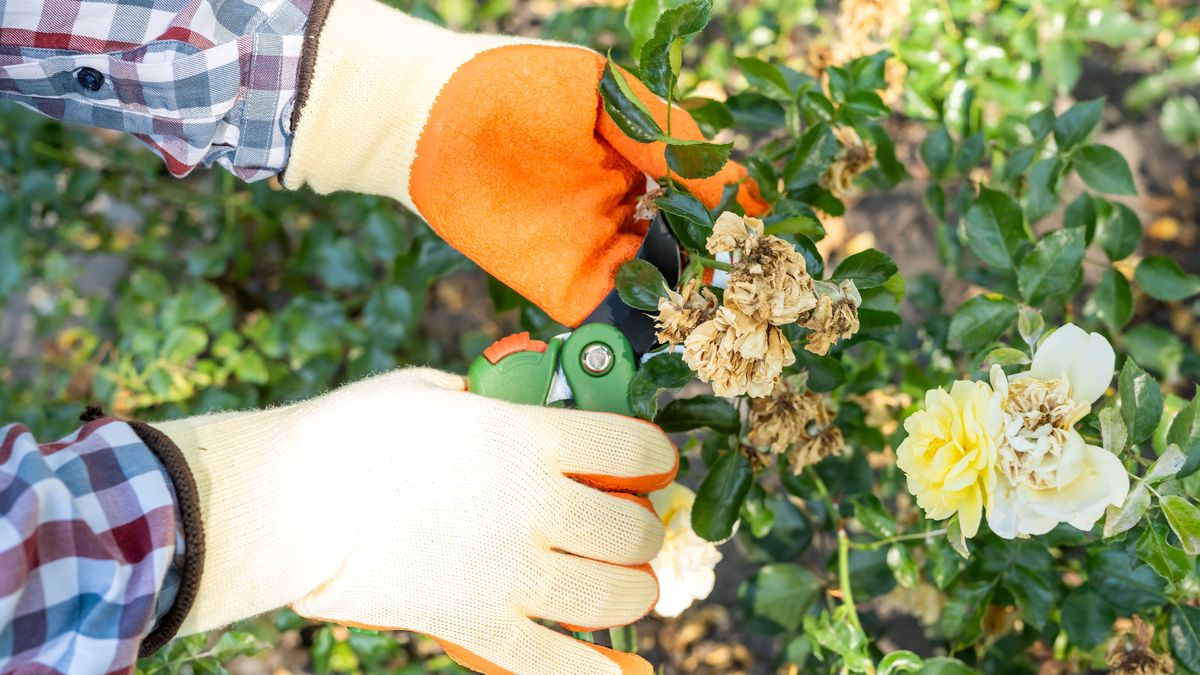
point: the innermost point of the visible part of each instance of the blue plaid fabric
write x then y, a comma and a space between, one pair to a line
90, 549
199, 81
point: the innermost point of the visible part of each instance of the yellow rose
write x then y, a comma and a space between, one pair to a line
950, 450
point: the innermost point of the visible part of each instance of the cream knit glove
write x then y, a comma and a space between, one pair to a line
404, 502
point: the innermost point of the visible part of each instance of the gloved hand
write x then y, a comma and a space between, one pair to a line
500, 144
404, 502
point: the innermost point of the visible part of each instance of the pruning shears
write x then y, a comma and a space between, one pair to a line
592, 365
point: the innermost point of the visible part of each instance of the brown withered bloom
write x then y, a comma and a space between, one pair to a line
835, 316
767, 278
854, 156
795, 421
737, 354
1131, 654
646, 208
680, 313
778, 421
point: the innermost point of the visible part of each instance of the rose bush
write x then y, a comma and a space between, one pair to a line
915, 460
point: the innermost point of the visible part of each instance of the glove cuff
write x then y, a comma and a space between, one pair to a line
372, 75
275, 491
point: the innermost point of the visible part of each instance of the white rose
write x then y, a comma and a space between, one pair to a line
685, 565
1045, 474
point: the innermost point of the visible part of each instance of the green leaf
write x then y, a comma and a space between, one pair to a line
944, 665
903, 567
868, 269
1077, 123
626, 111
1006, 356
936, 151
184, 343
1086, 617
874, 517
1141, 401
902, 661
995, 228
1111, 300
640, 18
657, 71
711, 115
1053, 265
1082, 213
662, 371
1184, 518
1167, 466
1042, 196
1123, 518
825, 373
720, 497
1041, 123
1119, 233
1113, 432
685, 414
641, 285
1104, 170
765, 77
776, 598
1158, 348
981, 321
1030, 325
688, 217
697, 159
1162, 278
1185, 433
804, 225
815, 150
1183, 632
1171, 563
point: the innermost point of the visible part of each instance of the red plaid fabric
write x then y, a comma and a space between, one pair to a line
199, 81
90, 549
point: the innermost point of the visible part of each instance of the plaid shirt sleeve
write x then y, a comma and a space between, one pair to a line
199, 81
89, 547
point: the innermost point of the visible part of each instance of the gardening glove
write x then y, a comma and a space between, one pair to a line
404, 502
501, 144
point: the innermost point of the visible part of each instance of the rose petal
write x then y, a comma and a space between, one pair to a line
1086, 360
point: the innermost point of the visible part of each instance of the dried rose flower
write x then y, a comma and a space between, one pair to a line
778, 421
646, 208
821, 438
737, 354
1130, 653
835, 316
854, 157
767, 279
680, 313
797, 422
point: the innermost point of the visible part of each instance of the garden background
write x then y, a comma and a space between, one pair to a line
157, 297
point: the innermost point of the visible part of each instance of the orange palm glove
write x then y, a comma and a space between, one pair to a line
500, 144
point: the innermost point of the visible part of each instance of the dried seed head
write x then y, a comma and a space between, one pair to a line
737, 354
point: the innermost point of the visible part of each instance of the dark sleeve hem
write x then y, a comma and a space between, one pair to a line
193, 556
308, 56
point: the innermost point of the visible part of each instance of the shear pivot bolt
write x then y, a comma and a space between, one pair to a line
596, 358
